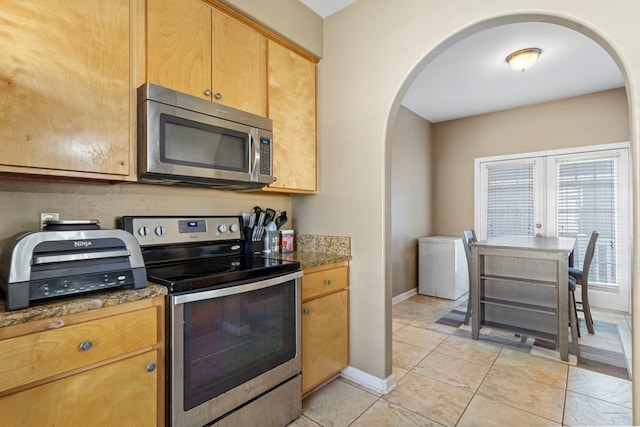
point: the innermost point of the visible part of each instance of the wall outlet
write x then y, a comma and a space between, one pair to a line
45, 216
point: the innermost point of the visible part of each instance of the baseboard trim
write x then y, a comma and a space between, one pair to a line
403, 296
371, 382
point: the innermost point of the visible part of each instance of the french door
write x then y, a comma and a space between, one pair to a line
565, 193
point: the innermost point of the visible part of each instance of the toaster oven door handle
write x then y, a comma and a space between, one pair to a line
79, 256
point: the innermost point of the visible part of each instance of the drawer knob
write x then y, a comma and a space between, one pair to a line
327, 282
86, 346
151, 367
218, 95
207, 92
306, 311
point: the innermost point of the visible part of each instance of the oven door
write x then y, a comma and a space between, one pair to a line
230, 345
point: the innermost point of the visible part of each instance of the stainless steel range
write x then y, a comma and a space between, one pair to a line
233, 322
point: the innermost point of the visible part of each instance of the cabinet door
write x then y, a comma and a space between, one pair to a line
64, 73
325, 342
239, 65
124, 393
179, 45
292, 106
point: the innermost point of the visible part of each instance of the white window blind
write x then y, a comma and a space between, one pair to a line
510, 199
587, 201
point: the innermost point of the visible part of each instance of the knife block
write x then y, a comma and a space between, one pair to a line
251, 247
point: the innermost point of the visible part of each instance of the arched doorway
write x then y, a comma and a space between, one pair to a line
391, 258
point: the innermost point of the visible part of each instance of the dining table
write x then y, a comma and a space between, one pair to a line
520, 284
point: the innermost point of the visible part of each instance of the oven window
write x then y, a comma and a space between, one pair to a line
190, 143
230, 340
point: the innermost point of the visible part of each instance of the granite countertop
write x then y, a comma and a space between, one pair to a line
311, 259
313, 251
59, 307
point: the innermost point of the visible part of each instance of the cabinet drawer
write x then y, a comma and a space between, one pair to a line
324, 282
37, 356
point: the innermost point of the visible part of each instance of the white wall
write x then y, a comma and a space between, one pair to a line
372, 51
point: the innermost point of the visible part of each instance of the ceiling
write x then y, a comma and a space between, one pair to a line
472, 76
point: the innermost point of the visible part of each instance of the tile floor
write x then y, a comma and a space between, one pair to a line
447, 380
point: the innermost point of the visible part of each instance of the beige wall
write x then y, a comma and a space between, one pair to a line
372, 52
291, 19
23, 200
585, 120
411, 195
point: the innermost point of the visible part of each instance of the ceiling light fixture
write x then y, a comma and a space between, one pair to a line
523, 59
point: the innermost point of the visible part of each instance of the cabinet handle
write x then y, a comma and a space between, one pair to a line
151, 367
306, 311
207, 92
218, 95
327, 282
86, 346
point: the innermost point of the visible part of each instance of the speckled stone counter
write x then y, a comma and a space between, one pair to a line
77, 304
339, 245
312, 259
312, 251
315, 251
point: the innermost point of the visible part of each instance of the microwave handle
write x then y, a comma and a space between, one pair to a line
254, 147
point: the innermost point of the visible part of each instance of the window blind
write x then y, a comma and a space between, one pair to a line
510, 200
586, 202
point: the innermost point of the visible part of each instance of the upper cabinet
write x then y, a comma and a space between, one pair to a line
208, 50
65, 89
292, 106
197, 49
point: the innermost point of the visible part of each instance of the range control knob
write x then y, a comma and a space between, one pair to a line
143, 231
160, 230
233, 228
222, 228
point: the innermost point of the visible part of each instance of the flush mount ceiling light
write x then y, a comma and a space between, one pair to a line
523, 59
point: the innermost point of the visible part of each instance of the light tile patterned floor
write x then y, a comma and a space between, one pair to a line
453, 381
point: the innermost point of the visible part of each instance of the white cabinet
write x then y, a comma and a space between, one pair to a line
443, 269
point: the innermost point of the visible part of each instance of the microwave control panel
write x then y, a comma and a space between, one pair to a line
265, 156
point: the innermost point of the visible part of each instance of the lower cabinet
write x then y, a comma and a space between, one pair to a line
122, 393
101, 368
325, 325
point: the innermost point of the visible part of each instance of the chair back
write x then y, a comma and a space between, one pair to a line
468, 237
588, 256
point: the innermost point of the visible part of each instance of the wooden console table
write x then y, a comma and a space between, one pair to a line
520, 284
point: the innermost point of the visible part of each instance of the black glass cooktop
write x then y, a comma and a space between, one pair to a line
218, 272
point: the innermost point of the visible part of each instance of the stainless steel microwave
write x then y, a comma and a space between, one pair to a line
187, 140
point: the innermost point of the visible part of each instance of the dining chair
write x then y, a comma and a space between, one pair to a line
468, 237
580, 277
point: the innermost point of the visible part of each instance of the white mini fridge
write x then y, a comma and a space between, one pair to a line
442, 270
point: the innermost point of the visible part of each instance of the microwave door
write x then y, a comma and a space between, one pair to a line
187, 145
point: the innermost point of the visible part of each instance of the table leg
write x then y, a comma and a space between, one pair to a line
563, 307
474, 290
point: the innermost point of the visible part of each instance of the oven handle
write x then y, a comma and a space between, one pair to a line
232, 290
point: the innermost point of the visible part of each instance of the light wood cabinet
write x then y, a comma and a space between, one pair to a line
65, 102
325, 324
103, 367
197, 49
292, 107
208, 50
